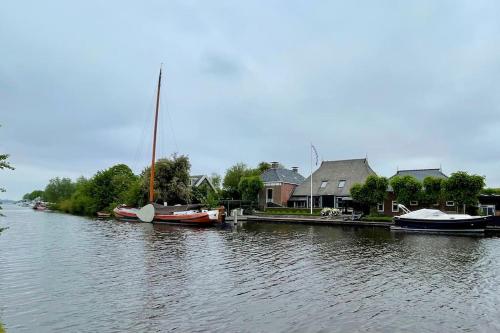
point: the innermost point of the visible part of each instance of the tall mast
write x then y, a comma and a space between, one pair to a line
153, 158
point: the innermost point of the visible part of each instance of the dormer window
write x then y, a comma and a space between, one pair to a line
324, 183
341, 183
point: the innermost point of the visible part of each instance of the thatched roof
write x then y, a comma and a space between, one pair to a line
421, 174
333, 173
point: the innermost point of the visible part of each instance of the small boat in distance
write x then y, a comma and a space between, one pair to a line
40, 206
103, 215
433, 220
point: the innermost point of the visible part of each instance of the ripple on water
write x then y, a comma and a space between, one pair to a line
62, 273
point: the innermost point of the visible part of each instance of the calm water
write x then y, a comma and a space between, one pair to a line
61, 273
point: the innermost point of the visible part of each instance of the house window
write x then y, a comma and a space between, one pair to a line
341, 183
380, 207
414, 203
269, 197
450, 203
324, 183
339, 202
300, 204
487, 210
395, 207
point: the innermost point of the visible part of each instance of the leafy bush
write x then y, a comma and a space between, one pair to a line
406, 189
292, 211
373, 191
377, 218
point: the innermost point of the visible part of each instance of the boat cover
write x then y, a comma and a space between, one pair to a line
434, 214
165, 210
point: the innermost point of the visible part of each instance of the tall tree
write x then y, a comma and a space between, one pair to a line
171, 180
406, 189
432, 190
263, 166
106, 187
372, 192
58, 189
232, 180
463, 188
216, 180
249, 187
33, 195
4, 164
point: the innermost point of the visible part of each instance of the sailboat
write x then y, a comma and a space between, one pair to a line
191, 214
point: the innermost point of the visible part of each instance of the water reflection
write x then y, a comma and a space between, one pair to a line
60, 273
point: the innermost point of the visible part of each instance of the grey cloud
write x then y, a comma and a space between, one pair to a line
412, 84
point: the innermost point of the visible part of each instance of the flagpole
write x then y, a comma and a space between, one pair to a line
311, 178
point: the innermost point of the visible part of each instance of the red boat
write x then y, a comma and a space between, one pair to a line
40, 206
185, 214
126, 212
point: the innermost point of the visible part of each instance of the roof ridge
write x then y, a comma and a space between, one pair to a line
427, 169
350, 159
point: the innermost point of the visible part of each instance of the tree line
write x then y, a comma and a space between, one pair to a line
119, 185
461, 188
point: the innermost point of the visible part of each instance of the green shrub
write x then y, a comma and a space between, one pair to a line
377, 218
292, 211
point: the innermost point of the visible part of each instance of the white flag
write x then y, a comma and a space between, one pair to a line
315, 153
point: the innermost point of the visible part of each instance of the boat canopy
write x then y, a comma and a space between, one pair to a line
159, 209
433, 214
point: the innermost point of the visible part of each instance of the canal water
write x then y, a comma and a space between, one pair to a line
62, 273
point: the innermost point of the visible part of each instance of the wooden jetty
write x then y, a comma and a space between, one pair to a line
318, 220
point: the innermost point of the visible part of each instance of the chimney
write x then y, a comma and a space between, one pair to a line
295, 169
274, 165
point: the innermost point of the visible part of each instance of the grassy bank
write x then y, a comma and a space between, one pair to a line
377, 218
292, 211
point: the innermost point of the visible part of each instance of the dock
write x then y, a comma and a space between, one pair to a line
314, 220
318, 220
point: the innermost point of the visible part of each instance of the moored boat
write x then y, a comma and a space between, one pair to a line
40, 206
126, 212
193, 214
103, 215
152, 212
433, 220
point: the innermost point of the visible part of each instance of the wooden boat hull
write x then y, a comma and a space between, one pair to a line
187, 218
127, 213
202, 218
473, 225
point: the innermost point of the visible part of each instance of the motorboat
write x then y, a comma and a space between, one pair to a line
40, 206
433, 220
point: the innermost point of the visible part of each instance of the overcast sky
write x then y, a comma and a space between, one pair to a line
410, 84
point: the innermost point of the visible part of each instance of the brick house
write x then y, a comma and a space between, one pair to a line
390, 205
279, 184
331, 184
